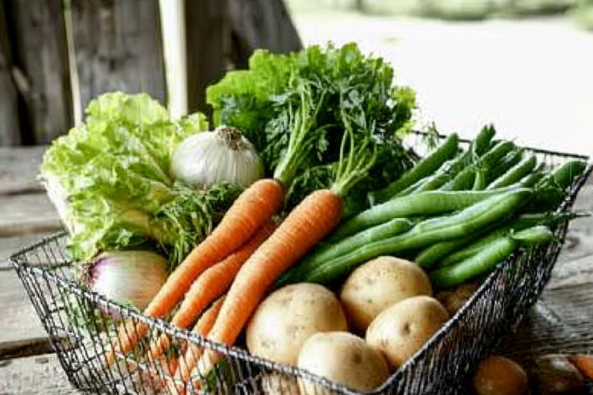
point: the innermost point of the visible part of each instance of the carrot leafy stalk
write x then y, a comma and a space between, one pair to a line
306, 225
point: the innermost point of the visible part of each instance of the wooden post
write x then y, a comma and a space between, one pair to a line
9, 122
118, 46
40, 68
261, 24
207, 39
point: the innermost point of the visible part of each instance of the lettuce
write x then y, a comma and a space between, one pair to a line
109, 179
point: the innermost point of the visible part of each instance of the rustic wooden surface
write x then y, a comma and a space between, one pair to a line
560, 322
118, 47
207, 46
261, 24
9, 120
40, 68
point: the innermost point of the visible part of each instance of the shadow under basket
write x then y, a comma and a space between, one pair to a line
82, 326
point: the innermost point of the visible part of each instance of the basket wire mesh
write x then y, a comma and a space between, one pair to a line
82, 326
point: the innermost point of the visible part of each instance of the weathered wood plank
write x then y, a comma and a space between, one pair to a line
19, 167
118, 46
9, 122
26, 214
10, 245
28, 347
41, 69
261, 24
207, 42
34, 375
19, 319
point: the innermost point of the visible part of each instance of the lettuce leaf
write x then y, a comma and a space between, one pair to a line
109, 179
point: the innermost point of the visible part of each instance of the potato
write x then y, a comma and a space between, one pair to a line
403, 328
288, 316
344, 358
454, 299
498, 375
378, 284
274, 384
553, 374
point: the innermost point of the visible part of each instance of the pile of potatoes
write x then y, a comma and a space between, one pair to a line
384, 313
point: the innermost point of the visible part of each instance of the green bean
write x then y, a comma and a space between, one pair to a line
479, 181
482, 142
516, 173
518, 224
422, 203
431, 182
488, 257
330, 251
426, 166
463, 181
551, 190
495, 170
530, 180
427, 232
565, 174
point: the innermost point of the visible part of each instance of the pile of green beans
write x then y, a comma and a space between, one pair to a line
456, 214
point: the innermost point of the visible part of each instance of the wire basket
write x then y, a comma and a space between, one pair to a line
82, 324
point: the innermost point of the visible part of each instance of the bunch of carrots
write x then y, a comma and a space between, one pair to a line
226, 276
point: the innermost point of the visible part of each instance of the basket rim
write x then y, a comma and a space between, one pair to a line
20, 263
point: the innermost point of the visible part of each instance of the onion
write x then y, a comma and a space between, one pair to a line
208, 158
128, 277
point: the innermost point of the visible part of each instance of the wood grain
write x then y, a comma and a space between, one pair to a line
207, 41
27, 214
118, 47
261, 24
19, 167
9, 121
41, 70
19, 319
34, 375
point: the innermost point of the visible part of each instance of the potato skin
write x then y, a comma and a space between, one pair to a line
289, 316
497, 375
402, 329
342, 357
378, 284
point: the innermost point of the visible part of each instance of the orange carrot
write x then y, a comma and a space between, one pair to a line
584, 363
193, 352
214, 282
307, 224
256, 205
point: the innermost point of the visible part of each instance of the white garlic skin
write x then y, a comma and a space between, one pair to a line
207, 158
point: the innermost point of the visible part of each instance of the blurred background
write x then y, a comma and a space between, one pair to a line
523, 65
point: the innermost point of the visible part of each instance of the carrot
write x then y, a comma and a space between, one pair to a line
215, 281
307, 224
584, 363
188, 361
256, 205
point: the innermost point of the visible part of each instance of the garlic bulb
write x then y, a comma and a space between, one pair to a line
207, 158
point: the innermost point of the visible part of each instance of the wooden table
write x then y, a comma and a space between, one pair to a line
560, 322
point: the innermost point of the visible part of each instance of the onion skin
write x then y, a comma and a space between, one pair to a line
128, 277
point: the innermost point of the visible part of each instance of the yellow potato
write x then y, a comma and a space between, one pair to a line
289, 316
344, 358
405, 327
378, 284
